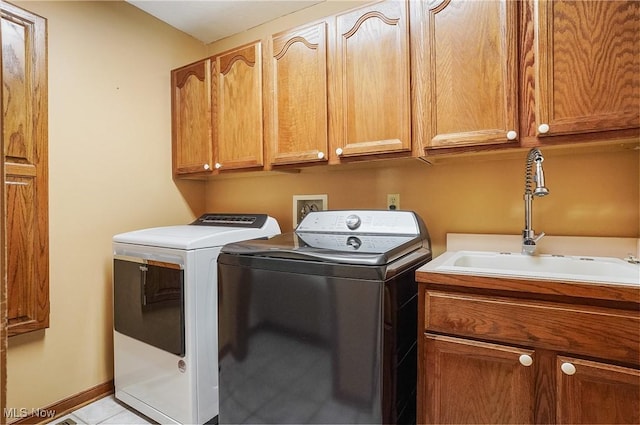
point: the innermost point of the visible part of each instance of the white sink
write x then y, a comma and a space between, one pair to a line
549, 267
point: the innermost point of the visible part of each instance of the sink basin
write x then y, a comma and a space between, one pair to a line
550, 267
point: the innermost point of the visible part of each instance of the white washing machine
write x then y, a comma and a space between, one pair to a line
165, 297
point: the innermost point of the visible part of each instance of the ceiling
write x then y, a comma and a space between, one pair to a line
211, 20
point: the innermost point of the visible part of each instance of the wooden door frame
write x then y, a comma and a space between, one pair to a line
3, 279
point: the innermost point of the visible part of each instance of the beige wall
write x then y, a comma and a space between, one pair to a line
110, 172
591, 194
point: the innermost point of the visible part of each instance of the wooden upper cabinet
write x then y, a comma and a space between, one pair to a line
296, 119
237, 108
371, 70
25, 138
191, 112
588, 66
465, 72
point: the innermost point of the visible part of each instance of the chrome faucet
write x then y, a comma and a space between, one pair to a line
529, 239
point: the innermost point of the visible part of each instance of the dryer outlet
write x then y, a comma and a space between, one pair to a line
304, 204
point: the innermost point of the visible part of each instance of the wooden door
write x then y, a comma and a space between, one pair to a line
465, 72
191, 119
596, 393
372, 112
296, 91
237, 108
588, 62
24, 105
470, 382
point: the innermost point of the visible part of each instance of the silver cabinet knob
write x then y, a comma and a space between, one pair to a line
512, 135
543, 128
568, 368
206, 166
218, 165
525, 360
339, 151
320, 155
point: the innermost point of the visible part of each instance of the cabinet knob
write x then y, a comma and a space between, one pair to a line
320, 155
512, 135
525, 360
218, 165
339, 151
206, 166
543, 128
567, 368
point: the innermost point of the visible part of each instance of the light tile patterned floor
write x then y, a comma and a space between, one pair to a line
107, 410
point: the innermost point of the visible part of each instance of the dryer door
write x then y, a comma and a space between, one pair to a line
148, 302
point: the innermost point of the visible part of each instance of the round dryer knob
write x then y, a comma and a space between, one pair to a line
353, 222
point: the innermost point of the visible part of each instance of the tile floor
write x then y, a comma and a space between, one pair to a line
105, 411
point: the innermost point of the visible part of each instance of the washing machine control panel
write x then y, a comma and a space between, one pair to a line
380, 222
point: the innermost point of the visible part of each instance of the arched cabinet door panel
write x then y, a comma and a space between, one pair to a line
237, 108
191, 127
296, 118
372, 109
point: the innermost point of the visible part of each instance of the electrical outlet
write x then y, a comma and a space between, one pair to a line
304, 204
393, 201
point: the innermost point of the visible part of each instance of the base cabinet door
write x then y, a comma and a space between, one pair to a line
472, 382
591, 392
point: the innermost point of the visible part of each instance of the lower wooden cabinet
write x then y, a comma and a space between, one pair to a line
487, 355
467, 381
591, 392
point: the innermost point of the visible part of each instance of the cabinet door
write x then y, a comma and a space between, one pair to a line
371, 81
191, 114
296, 90
465, 80
596, 393
587, 66
237, 108
24, 106
467, 381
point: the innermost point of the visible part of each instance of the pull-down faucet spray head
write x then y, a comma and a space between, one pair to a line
541, 189
529, 238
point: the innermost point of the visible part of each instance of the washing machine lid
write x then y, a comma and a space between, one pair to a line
209, 230
360, 237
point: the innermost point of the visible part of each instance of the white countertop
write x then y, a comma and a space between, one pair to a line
559, 245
